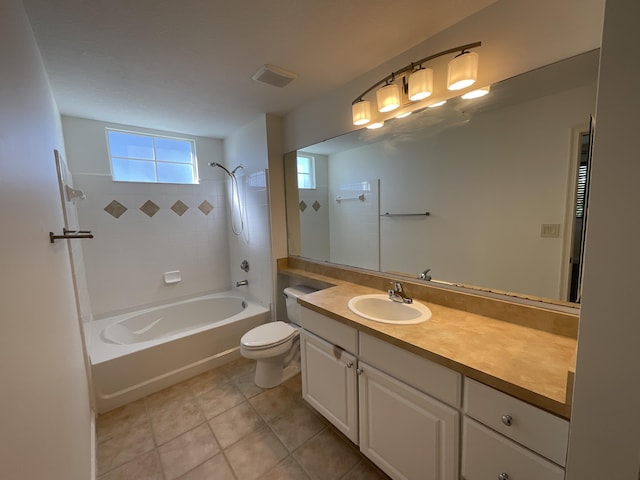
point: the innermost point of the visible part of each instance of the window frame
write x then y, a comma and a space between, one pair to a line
311, 175
155, 161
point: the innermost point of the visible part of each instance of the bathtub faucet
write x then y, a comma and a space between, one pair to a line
242, 283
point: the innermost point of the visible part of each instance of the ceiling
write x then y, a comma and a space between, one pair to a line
185, 66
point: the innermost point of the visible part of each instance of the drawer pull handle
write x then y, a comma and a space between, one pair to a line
508, 421
503, 476
359, 371
349, 364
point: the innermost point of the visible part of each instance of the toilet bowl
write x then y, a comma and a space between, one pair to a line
276, 345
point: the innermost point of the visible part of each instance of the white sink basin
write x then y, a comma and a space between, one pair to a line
379, 308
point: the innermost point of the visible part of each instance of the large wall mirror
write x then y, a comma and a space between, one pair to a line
486, 193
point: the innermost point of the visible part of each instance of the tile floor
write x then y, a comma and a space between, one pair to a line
219, 426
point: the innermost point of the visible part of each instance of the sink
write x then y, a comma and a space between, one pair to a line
379, 308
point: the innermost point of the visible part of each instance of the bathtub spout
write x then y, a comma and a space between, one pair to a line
242, 283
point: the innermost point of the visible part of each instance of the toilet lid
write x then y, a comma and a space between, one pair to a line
269, 334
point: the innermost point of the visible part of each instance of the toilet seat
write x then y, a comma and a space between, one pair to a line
268, 335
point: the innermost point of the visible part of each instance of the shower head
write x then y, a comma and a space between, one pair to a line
214, 164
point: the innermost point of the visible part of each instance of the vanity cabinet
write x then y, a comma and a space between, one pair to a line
506, 438
383, 398
329, 382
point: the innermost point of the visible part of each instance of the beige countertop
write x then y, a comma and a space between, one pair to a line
530, 364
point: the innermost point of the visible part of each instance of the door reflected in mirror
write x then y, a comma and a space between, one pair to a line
497, 175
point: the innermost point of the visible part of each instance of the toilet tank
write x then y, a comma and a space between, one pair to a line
291, 295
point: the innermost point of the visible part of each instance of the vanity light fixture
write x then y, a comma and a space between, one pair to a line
480, 92
414, 82
420, 84
361, 112
388, 97
462, 71
404, 115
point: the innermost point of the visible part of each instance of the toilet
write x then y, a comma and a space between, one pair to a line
276, 345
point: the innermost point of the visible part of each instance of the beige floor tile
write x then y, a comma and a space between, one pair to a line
187, 451
247, 385
169, 396
296, 426
365, 471
130, 443
255, 454
326, 456
114, 422
220, 399
215, 468
207, 381
235, 423
144, 467
239, 367
294, 384
272, 403
288, 469
174, 419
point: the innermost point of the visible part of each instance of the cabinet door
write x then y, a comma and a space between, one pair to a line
329, 382
405, 432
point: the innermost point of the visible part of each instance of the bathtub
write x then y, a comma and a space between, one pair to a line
137, 353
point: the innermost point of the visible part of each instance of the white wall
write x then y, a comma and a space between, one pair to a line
489, 184
45, 418
516, 35
605, 426
126, 260
248, 147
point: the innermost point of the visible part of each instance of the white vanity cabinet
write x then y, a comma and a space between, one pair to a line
329, 382
505, 438
385, 399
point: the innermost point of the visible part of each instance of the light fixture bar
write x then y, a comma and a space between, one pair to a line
412, 65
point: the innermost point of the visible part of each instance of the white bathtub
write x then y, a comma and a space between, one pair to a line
138, 353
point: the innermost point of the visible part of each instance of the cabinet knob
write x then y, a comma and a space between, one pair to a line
349, 364
508, 421
359, 371
503, 476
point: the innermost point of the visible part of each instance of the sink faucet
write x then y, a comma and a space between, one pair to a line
397, 294
425, 275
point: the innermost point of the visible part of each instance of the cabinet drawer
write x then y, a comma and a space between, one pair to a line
425, 375
335, 332
488, 455
534, 428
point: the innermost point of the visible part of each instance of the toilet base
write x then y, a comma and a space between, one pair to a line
269, 372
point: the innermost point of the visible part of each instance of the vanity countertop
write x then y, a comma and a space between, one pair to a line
530, 364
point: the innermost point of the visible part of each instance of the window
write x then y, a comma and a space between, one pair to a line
138, 157
306, 172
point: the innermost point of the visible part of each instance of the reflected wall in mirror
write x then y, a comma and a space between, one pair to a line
497, 175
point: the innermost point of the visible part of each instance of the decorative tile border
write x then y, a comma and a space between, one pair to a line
115, 209
205, 207
179, 208
149, 208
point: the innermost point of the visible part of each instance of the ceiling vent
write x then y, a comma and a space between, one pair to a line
274, 76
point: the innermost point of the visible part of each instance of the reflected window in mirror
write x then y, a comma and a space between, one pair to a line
306, 172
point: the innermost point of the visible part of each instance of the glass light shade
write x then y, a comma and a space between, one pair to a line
463, 71
375, 125
361, 112
388, 97
481, 92
420, 84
